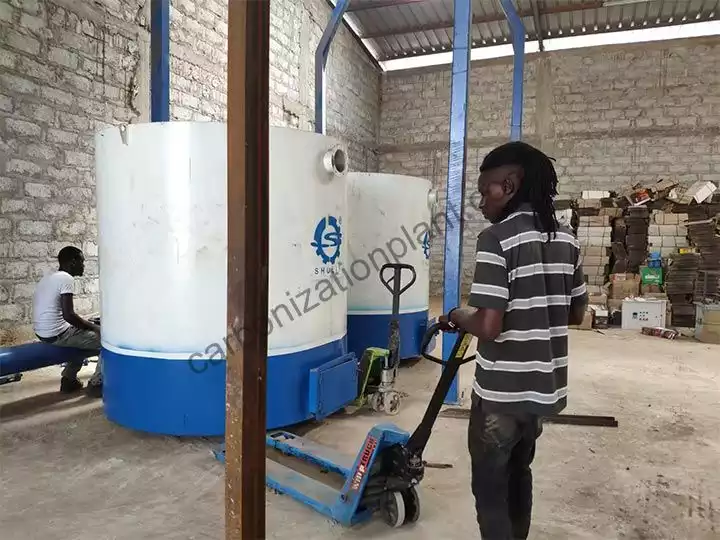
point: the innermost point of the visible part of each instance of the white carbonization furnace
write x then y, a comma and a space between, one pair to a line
389, 221
162, 192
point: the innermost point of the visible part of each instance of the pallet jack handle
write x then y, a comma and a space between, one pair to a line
420, 437
394, 282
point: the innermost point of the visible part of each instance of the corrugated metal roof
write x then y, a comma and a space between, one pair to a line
405, 28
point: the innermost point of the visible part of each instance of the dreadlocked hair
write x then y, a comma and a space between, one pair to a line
539, 182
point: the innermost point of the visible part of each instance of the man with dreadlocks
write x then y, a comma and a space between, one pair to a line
527, 288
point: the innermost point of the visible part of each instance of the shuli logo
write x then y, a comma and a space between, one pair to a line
426, 245
327, 239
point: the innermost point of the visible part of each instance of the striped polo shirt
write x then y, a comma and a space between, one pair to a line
534, 282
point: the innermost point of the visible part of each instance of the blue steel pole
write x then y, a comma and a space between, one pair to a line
517, 29
160, 61
452, 268
321, 55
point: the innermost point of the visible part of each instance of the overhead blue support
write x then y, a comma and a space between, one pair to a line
321, 55
452, 269
517, 29
160, 61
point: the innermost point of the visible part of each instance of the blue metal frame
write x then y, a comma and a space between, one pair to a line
518, 42
452, 270
321, 55
160, 61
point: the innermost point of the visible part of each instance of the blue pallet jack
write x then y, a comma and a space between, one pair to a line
381, 478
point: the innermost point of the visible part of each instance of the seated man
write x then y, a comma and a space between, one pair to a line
55, 320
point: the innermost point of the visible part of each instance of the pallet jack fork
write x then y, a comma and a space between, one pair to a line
383, 476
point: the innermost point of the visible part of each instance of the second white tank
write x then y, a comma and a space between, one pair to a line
389, 221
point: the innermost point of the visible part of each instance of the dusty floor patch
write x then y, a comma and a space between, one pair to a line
67, 473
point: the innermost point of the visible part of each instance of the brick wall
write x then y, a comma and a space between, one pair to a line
199, 64
353, 82
611, 116
66, 70
198, 59
70, 67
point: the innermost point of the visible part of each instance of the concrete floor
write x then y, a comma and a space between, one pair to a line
67, 473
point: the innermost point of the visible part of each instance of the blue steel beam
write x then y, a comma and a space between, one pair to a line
517, 29
160, 61
321, 55
452, 268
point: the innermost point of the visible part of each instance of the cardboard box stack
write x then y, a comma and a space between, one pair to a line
707, 287
667, 232
619, 253
655, 242
699, 192
596, 314
680, 287
622, 286
637, 220
704, 233
594, 233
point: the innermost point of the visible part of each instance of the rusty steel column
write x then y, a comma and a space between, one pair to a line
248, 235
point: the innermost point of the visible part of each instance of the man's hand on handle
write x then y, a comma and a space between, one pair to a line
446, 323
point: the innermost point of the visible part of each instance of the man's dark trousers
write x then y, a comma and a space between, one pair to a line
502, 447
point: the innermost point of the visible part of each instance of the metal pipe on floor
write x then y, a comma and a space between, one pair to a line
321, 55
457, 158
160, 61
568, 419
518, 42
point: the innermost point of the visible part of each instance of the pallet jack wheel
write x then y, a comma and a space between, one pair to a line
393, 509
412, 505
391, 403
